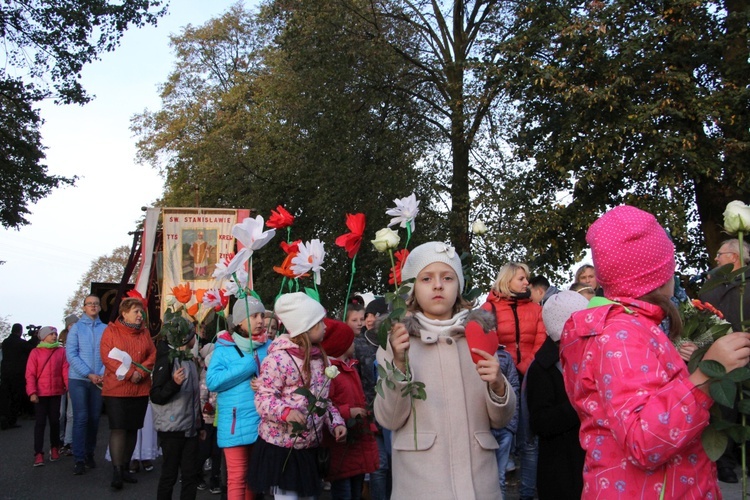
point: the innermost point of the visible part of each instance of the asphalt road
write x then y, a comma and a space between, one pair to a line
55, 481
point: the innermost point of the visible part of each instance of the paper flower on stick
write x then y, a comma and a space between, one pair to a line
182, 293
220, 271
352, 241
232, 287
309, 258
280, 218
250, 233
386, 239
394, 277
406, 211
135, 294
215, 299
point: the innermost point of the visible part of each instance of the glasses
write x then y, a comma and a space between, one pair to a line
95, 304
722, 253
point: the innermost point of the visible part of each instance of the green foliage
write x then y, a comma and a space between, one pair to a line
643, 103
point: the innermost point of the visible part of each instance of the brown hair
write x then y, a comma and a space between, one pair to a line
581, 269
303, 342
675, 321
127, 304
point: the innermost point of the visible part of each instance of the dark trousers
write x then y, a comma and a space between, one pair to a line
47, 409
180, 454
209, 448
12, 396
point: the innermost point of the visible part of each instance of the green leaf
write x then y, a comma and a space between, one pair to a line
381, 372
398, 313
390, 384
714, 442
304, 391
696, 358
312, 293
739, 374
712, 369
379, 388
743, 406
737, 433
723, 392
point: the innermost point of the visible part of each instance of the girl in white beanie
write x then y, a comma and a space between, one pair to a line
442, 445
283, 461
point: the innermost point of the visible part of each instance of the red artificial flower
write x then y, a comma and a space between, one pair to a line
400, 257
193, 310
292, 247
135, 294
351, 241
280, 218
182, 293
705, 306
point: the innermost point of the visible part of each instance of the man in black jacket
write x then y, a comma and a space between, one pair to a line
13, 374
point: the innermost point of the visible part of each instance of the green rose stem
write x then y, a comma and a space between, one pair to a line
407, 370
743, 448
310, 409
408, 234
349, 290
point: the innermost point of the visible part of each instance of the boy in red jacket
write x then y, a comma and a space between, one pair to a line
46, 382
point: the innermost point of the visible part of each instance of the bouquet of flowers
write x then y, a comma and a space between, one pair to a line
702, 323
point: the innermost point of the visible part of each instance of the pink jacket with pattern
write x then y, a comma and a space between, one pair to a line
279, 378
641, 417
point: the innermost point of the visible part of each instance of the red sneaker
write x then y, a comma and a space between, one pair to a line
54, 455
38, 459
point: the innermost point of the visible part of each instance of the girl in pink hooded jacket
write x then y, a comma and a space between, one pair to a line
641, 412
46, 382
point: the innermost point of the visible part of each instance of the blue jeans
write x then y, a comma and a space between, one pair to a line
349, 488
380, 484
87, 408
504, 439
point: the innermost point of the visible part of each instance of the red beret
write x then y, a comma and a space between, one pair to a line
338, 337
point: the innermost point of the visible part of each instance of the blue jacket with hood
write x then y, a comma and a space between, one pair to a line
229, 375
82, 348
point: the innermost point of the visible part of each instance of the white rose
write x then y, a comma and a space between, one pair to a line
386, 239
737, 217
478, 228
332, 372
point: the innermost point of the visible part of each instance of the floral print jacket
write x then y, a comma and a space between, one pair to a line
641, 417
279, 378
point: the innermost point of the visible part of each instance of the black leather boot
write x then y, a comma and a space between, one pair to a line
127, 477
116, 477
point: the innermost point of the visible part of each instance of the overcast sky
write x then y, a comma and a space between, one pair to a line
75, 225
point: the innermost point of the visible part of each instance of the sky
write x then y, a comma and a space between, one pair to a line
74, 225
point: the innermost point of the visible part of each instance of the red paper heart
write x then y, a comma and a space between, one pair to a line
478, 339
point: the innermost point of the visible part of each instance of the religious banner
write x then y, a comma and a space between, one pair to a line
195, 240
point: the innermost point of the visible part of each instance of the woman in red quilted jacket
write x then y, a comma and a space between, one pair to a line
46, 382
519, 320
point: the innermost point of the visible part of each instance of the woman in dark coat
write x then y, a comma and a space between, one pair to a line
552, 417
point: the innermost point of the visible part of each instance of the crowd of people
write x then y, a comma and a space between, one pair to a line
581, 390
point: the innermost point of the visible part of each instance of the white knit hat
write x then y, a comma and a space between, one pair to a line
557, 311
241, 311
298, 312
428, 253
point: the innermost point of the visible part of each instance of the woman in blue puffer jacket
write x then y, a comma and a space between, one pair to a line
235, 362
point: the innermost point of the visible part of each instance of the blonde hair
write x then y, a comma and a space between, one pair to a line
303, 342
505, 276
581, 269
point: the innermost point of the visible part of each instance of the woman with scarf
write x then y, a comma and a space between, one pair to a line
234, 365
126, 384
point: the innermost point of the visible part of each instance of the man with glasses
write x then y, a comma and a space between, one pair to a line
726, 298
85, 377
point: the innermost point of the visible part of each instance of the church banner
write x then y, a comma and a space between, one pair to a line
194, 241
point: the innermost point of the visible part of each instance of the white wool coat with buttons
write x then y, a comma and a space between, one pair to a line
455, 450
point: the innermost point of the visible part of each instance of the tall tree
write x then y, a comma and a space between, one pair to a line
259, 111
46, 45
104, 269
451, 62
628, 102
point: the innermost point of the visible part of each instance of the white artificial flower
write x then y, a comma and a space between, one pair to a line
332, 372
250, 233
737, 217
386, 239
406, 211
478, 228
231, 287
309, 258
